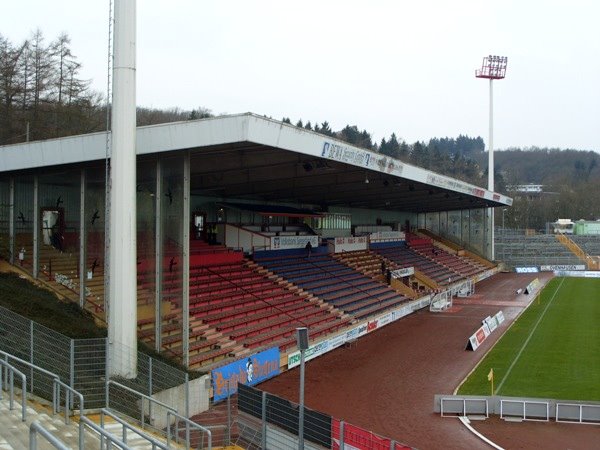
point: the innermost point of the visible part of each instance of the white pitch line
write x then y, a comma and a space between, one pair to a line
528, 338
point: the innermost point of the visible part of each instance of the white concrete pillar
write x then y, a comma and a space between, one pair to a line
122, 321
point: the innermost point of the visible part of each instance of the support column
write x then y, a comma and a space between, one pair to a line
82, 240
35, 268
186, 259
122, 321
11, 220
158, 258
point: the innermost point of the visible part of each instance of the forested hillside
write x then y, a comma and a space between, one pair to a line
42, 96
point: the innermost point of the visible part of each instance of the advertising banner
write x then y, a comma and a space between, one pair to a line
350, 335
526, 269
287, 242
583, 274
479, 336
491, 323
387, 236
350, 244
248, 371
312, 352
531, 287
552, 268
499, 317
356, 438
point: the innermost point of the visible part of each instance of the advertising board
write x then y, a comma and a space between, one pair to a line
248, 371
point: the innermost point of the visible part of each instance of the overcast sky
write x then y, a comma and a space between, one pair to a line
386, 66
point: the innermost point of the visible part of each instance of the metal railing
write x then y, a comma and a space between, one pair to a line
36, 428
151, 401
103, 434
8, 375
188, 423
33, 368
127, 427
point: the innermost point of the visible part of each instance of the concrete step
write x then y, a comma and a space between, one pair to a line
14, 433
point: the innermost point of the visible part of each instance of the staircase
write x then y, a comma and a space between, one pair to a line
590, 262
14, 433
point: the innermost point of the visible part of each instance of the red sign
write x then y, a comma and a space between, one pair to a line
360, 439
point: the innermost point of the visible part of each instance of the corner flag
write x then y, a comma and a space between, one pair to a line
490, 377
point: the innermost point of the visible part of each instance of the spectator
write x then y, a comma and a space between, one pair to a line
308, 248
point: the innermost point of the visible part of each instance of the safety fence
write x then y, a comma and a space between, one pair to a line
267, 421
84, 364
515, 408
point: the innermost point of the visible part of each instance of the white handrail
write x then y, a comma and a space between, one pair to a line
12, 370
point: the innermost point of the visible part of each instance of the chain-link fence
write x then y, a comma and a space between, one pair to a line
83, 364
37, 345
167, 386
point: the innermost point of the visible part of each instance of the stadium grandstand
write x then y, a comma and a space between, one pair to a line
225, 209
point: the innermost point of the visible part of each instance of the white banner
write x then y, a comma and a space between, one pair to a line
350, 244
491, 323
583, 274
526, 269
499, 317
327, 345
405, 272
552, 268
287, 242
387, 236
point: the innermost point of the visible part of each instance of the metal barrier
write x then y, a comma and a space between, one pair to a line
578, 413
69, 394
103, 433
8, 375
125, 426
188, 424
81, 363
36, 428
464, 406
267, 421
519, 408
151, 401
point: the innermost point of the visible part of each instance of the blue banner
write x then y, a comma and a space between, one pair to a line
248, 371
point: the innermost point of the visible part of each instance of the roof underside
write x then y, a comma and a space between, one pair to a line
247, 157
248, 171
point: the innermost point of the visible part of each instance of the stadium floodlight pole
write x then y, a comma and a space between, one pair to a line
302, 340
492, 68
122, 315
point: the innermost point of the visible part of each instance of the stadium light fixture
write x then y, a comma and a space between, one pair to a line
492, 68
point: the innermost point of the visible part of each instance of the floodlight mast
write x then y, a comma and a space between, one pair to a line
492, 68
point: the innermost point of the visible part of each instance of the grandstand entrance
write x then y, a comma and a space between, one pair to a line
53, 226
199, 221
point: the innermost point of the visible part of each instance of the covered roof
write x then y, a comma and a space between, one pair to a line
271, 210
251, 157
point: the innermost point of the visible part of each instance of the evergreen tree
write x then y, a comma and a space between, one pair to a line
325, 129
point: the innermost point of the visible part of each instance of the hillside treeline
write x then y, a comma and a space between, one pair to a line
42, 96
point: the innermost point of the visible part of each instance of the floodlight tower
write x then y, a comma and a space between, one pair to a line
492, 68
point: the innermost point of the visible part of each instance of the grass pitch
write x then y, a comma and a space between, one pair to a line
551, 351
